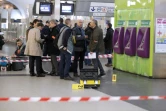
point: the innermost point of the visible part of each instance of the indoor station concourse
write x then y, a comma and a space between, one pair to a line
134, 79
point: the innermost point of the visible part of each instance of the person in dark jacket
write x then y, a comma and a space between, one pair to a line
65, 45
97, 46
108, 43
46, 33
61, 23
20, 48
1, 41
88, 32
79, 46
53, 49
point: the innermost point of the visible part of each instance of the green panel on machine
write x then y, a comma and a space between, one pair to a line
135, 13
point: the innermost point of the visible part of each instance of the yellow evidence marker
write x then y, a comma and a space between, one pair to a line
114, 78
77, 86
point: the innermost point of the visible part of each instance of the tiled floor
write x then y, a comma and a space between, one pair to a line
21, 84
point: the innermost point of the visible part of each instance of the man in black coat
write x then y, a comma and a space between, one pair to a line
108, 43
79, 46
1, 42
53, 49
46, 33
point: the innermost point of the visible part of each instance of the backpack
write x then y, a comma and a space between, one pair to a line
4, 64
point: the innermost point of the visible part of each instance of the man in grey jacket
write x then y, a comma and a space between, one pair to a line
66, 48
97, 45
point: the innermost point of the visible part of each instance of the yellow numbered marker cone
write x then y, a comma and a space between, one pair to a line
114, 77
77, 86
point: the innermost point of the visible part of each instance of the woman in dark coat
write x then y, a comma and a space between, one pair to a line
108, 43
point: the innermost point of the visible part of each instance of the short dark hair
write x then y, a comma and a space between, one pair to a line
61, 20
18, 40
110, 25
40, 24
47, 22
35, 21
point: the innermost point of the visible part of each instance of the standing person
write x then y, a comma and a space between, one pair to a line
33, 49
88, 32
53, 48
46, 33
61, 23
1, 41
79, 46
97, 45
65, 45
108, 43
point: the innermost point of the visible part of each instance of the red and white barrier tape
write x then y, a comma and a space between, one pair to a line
86, 57
79, 99
58, 59
44, 60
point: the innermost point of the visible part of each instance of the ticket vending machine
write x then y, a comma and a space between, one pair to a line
118, 40
130, 41
143, 42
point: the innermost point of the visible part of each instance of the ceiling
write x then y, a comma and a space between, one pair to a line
7, 4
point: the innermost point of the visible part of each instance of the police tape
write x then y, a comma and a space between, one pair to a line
47, 58
79, 99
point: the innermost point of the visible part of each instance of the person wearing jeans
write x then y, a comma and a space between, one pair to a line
65, 45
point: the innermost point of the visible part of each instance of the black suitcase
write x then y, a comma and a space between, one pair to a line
17, 66
89, 74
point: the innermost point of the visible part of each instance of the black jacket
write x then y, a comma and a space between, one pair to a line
88, 32
1, 42
51, 46
45, 32
22, 49
108, 39
80, 39
61, 25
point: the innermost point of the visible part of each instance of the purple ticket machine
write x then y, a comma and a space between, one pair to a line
143, 42
130, 41
118, 40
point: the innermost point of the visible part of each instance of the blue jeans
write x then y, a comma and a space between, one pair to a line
65, 63
109, 59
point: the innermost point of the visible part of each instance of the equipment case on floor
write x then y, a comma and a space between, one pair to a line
89, 77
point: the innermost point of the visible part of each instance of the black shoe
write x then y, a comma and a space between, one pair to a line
61, 77
45, 72
68, 78
102, 74
32, 74
76, 75
40, 75
55, 74
51, 73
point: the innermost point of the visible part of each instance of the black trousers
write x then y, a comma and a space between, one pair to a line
78, 56
38, 60
54, 62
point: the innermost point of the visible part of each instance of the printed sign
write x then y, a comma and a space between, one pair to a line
145, 23
121, 23
132, 23
160, 35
